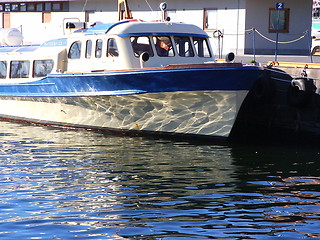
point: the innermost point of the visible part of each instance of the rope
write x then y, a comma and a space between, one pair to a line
149, 5
273, 41
84, 5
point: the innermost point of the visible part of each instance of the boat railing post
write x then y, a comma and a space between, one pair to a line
310, 45
254, 43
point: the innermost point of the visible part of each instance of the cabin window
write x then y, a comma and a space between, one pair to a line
98, 53
202, 47
112, 49
42, 68
184, 46
88, 48
140, 45
3, 69
163, 46
75, 50
19, 69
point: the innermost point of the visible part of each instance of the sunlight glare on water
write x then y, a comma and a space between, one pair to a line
65, 184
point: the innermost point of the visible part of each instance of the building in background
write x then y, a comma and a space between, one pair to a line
239, 26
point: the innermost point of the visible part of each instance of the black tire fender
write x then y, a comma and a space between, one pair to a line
300, 92
264, 89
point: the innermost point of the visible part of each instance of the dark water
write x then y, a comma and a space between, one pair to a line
65, 184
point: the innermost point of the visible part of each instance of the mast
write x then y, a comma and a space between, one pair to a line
123, 14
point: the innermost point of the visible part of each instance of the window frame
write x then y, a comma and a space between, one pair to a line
88, 52
5, 68
138, 47
181, 45
163, 46
115, 50
17, 71
205, 18
75, 55
46, 63
98, 48
286, 20
204, 47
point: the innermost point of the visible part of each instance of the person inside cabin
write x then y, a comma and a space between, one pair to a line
163, 45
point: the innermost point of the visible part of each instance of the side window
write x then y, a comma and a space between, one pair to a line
88, 48
98, 51
112, 49
279, 20
202, 47
140, 45
19, 69
184, 46
75, 50
3, 69
163, 46
42, 68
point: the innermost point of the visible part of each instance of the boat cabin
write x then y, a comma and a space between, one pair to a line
129, 44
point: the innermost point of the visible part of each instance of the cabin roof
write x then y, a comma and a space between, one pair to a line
138, 28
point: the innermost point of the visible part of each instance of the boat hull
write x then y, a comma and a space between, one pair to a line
196, 100
201, 113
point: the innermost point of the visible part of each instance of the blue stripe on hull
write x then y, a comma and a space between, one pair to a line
134, 82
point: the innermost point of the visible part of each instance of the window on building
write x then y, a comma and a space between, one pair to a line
23, 7
47, 7
56, 7
7, 7
39, 7
112, 49
19, 69
15, 7
278, 20
140, 45
98, 50
210, 19
184, 46
75, 50
201, 46
3, 69
42, 68
88, 48
31, 7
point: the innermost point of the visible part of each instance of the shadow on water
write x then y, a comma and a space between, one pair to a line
58, 184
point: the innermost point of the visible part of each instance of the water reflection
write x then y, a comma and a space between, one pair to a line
62, 184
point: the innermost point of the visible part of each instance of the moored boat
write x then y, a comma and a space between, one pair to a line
130, 76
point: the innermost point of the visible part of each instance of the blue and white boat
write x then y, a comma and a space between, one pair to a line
130, 76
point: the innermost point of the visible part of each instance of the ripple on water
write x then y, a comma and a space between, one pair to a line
60, 184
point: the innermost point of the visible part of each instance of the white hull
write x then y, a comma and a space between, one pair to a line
206, 113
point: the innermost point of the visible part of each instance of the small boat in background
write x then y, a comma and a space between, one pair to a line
130, 76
